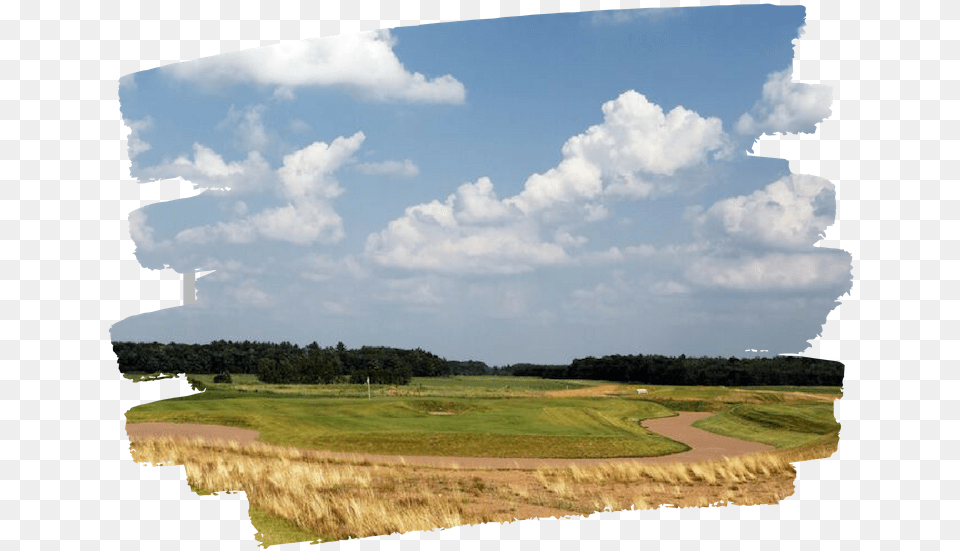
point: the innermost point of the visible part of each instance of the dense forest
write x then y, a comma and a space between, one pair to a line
283, 363
655, 369
287, 363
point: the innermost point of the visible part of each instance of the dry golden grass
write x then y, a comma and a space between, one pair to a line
336, 498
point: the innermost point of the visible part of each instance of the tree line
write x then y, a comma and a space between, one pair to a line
655, 369
283, 363
286, 363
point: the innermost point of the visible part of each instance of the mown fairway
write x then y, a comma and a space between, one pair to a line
407, 425
495, 416
780, 425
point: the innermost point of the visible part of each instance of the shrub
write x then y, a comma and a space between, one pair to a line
223, 378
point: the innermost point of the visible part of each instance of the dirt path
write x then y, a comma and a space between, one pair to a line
704, 445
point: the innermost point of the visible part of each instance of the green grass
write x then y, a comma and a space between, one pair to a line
459, 386
494, 416
483, 427
273, 530
829, 390
782, 426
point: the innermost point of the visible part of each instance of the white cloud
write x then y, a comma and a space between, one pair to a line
573, 180
635, 138
247, 126
786, 106
208, 170
771, 271
790, 212
478, 203
364, 63
306, 180
135, 143
405, 168
428, 237
308, 172
473, 230
299, 126
565, 238
284, 93
633, 188
304, 222
140, 231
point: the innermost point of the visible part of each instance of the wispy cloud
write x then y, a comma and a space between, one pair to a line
619, 17
405, 168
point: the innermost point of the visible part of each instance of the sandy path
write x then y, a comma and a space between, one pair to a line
704, 445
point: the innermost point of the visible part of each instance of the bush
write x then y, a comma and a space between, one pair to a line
223, 378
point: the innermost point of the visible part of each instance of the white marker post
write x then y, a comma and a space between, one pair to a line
369, 397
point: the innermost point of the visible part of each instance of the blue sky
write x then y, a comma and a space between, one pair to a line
529, 189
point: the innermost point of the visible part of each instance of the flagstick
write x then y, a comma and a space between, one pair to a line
368, 389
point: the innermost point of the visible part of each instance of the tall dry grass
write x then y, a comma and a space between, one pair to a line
320, 495
337, 498
739, 469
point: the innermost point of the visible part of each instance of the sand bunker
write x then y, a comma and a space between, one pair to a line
704, 446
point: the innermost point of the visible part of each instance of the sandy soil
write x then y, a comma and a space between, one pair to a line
704, 445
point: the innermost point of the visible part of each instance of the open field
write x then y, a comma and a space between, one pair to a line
300, 488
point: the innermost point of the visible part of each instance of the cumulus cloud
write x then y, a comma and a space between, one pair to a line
405, 168
364, 63
429, 236
135, 142
791, 212
475, 230
306, 180
786, 106
775, 270
140, 231
248, 128
636, 140
309, 171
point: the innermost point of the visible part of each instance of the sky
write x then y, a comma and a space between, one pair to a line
527, 189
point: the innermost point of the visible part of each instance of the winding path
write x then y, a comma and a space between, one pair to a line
704, 446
